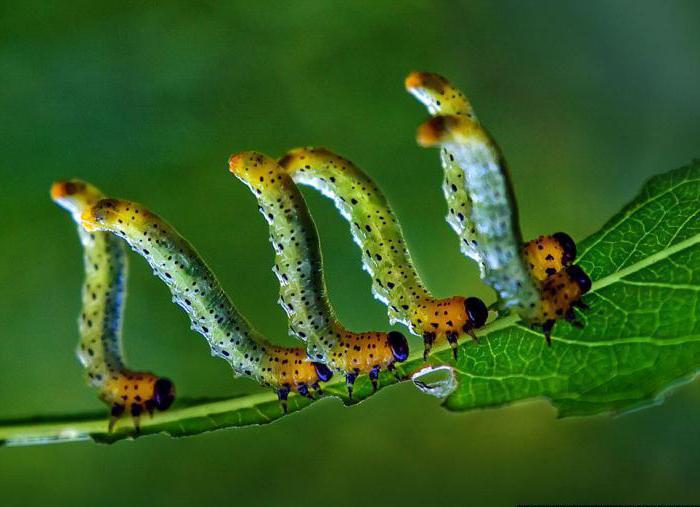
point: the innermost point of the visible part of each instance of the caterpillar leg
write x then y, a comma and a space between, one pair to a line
350, 379
374, 377
392, 369
115, 414
282, 395
581, 305
428, 341
547, 330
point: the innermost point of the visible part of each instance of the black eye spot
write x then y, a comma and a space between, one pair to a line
163, 393
477, 311
568, 245
324, 373
580, 277
399, 345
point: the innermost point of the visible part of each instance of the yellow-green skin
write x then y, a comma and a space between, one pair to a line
482, 209
195, 289
104, 288
299, 270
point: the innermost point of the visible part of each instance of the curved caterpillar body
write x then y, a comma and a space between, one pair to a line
385, 257
100, 322
299, 270
482, 210
198, 293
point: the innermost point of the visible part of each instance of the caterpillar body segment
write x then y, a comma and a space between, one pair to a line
483, 212
100, 323
547, 255
299, 270
376, 230
195, 289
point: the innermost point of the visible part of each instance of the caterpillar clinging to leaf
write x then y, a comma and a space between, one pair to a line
100, 322
482, 211
198, 293
299, 270
385, 257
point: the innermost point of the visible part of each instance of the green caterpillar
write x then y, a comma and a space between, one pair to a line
482, 211
385, 256
299, 269
100, 323
198, 293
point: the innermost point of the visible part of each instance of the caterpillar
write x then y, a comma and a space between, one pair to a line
100, 323
482, 211
299, 270
377, 232
212, 314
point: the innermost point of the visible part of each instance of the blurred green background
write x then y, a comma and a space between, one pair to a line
148, 99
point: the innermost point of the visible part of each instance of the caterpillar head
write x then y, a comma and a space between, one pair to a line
398, 345
476, 311
568, 247
579, 277
74, 195
324, 372
163, 394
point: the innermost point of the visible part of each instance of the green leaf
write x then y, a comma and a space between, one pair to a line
642, 331
641, 337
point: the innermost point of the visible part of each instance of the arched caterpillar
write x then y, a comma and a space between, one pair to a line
100, 322
385, 257
482, 209
198, 293
299, 270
